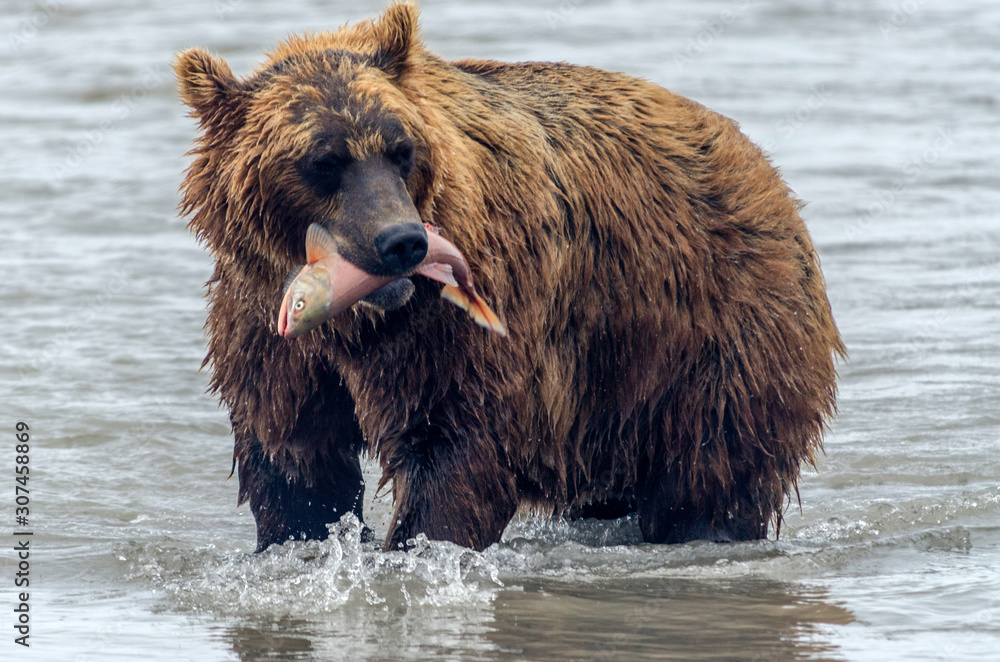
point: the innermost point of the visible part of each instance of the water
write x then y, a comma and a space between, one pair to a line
884, 117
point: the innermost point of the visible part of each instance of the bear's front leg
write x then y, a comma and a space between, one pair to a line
295, 500
297, 442
456, 486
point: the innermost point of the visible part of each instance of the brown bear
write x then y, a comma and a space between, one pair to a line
671, 346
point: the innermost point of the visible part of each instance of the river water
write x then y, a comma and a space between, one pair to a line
884, 116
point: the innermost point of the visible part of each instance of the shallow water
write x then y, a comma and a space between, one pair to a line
883, 116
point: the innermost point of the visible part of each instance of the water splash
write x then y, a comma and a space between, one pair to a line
302, 578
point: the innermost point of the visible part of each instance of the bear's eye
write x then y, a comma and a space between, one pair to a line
329, 165
402, 157
325, 173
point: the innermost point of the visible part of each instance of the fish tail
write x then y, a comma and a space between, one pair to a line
456, 296
476, 307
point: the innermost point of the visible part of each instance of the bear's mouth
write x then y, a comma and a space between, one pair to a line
391, 295
330, 283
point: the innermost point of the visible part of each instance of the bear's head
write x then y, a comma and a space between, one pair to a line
326, 131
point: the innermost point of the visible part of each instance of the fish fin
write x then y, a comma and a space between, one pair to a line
476, 307
440, 272
319, 243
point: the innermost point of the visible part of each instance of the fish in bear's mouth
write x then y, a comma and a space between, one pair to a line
329, 284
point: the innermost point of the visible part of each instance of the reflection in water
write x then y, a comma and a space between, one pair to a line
696, 620
285, 639
370, 632
751, 619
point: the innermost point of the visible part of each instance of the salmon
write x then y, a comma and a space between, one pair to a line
328, 284
459, 290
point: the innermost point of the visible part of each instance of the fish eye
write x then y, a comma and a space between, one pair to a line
299, 305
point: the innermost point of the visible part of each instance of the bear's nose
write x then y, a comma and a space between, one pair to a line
402, 247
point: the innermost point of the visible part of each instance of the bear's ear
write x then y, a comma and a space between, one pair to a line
206, 83
395, 34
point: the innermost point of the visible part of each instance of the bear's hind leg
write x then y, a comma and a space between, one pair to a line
608, 509
667, 514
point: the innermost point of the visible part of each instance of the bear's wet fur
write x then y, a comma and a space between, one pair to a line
671, 346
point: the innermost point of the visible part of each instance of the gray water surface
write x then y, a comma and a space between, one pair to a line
884, 116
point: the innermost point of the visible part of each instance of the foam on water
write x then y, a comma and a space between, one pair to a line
309, 578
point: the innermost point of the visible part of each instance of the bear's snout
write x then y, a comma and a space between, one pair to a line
401, 247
